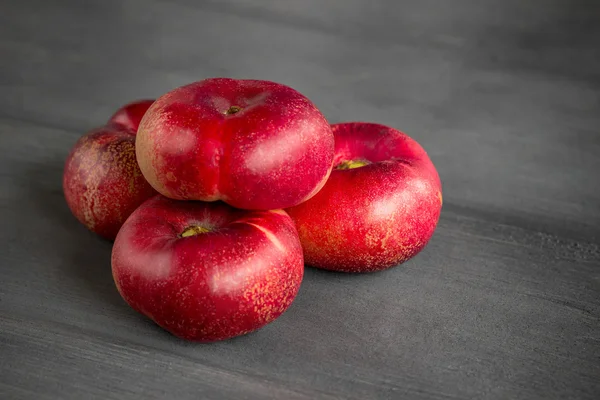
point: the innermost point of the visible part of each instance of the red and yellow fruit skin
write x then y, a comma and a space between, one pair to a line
238, 276
102, 181
252, 144
375, 216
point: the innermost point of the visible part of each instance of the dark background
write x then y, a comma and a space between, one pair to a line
505, 97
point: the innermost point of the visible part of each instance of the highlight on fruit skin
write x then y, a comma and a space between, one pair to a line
205, 271
380, 206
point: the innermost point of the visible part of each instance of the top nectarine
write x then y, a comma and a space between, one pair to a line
253, 144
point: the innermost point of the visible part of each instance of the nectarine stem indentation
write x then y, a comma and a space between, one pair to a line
193, 230
233, 110
351, 164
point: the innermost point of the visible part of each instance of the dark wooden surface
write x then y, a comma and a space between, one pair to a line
503, 304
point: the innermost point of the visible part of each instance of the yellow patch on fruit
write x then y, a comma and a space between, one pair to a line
269, 235
194, 230
280, 212
351, 164
171, 176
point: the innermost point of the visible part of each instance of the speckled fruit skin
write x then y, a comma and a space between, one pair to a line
102, 181
376, 216
252, 144
236, 278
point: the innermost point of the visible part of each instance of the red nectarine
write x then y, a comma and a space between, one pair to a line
253, 144
207, 271
379, 207
102, 181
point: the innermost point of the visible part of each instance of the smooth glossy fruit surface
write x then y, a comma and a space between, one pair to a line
253, 144
207, 271
379, 207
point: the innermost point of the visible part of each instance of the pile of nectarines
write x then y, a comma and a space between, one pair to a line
218, 192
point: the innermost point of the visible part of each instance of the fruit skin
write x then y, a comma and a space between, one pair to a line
239, 276
102, 182
130, 115
253, 144
376, 216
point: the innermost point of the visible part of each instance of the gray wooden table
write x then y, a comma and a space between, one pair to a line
503, 304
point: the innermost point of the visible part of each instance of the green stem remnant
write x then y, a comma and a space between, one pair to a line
351, 164
193, 230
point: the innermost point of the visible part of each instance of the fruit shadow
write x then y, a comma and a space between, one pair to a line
318, 273
321, 286
84, 257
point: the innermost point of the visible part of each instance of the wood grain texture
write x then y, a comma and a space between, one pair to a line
503, 303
